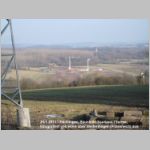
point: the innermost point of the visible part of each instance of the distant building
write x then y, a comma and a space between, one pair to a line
51, 66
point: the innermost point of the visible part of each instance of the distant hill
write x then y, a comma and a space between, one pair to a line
41, 55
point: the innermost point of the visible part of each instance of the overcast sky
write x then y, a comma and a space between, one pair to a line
64, 31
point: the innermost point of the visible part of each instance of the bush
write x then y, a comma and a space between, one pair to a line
87, 80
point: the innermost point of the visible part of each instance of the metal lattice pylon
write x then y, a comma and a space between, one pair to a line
10, 89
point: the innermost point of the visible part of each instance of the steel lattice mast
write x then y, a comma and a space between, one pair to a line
12, 93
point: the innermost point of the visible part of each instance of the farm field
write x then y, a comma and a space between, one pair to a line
77, 76
108, 70
130, 69
72, 102
112, 95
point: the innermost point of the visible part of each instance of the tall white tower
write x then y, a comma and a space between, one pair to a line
69, 63
88, 67
96, 50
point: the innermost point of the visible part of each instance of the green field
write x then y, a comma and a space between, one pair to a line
136, 95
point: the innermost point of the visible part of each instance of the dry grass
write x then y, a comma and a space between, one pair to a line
39, 109
108, 69
130, 69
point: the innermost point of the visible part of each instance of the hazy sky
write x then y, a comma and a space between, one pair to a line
62, 31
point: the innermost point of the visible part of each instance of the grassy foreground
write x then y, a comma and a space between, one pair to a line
39, 110
73, 102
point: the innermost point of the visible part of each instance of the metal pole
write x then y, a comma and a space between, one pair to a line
16, 67
3, 30
12, 59
23, 115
